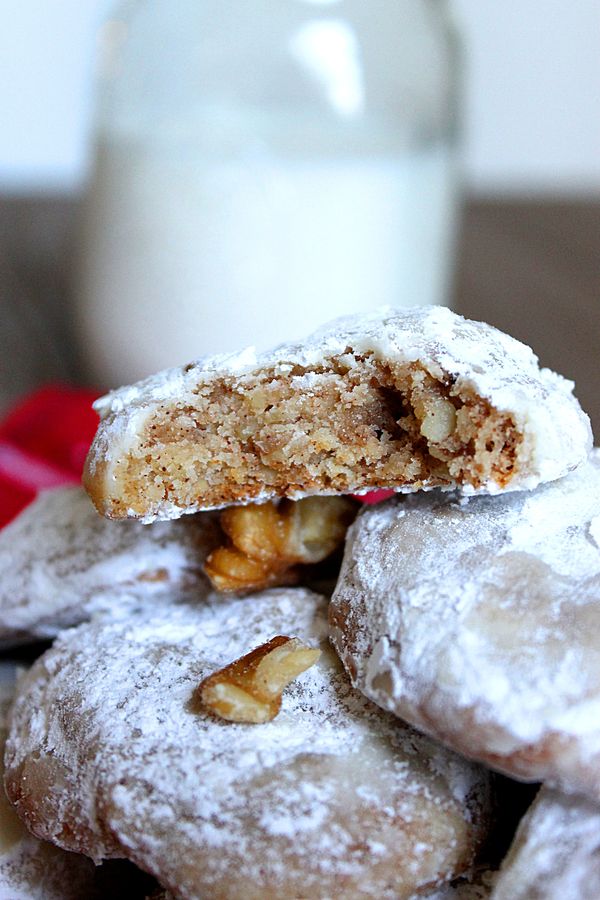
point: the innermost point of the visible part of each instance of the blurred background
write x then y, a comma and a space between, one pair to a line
531, 93
481, 187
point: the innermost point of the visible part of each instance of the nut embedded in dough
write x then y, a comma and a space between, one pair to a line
250, 689
438, 421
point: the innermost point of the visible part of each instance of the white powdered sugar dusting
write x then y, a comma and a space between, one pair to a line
478, 357
61, 563
107, 726
556, 852
479, 886
594, 530
31, 869
478, 622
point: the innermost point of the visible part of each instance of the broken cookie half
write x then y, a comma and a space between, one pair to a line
408, 400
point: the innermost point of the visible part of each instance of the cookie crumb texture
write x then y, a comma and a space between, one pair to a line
407, 402
110, 754
315, 431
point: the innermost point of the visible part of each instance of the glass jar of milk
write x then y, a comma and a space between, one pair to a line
263, 166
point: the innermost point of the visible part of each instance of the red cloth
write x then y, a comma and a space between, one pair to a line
374, 496
43, 443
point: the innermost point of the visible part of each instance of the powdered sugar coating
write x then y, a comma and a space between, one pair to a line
556, 852
478, 887
333, 798
30, 869
61, 563
477, 621
498, 368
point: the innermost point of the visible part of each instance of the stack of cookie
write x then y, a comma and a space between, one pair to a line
198, 720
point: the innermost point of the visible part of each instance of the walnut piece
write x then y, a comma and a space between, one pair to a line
250, 689
438, 420
268, 540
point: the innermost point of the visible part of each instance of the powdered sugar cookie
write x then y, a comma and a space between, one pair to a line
31, 869
110, 753
399, 399
477, 620
60, 563
556, 852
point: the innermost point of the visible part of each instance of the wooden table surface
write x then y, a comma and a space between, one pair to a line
531, 268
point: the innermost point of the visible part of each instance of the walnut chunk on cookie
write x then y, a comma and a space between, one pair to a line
250, 689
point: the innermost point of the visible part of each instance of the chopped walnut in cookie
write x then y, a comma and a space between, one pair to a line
250, 689
268, 540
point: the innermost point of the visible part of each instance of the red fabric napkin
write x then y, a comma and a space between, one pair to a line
374, 496
43, 443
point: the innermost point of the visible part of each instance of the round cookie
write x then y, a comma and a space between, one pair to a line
556, 852
477, 620
31, 869
109, 753
61, 563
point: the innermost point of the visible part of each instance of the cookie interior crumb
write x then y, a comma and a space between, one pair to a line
353, 423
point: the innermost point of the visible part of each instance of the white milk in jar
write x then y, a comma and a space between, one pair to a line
256, 214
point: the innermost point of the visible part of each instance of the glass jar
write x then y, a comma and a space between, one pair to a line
262, 166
